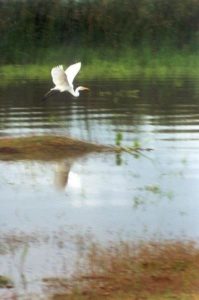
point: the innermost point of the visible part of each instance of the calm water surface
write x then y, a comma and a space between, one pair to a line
104, 196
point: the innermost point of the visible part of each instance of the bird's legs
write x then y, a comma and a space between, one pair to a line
49, 93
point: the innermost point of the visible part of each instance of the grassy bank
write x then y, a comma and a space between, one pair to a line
53, 147
45, 148
124, 271
107, 63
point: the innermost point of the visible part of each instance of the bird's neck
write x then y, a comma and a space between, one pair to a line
75, 92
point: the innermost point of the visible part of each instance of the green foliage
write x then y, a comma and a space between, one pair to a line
118, 138
5, 282
136, 144
122, 64
155, 189
29, 28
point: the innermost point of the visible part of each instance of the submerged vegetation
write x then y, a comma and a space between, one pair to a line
124, 271
5, 282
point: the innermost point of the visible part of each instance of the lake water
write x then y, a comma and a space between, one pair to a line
46, 207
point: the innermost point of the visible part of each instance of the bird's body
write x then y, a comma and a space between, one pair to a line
63, 80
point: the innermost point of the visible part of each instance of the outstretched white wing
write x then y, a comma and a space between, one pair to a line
59, 77
72, 71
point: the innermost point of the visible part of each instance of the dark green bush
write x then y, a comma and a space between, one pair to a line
29, 25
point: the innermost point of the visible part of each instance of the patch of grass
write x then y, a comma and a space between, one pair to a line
124, 271
45, 147
49, 147
5, 282
107, 63
125, 296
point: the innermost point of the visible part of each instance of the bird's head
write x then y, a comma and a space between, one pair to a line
80, 88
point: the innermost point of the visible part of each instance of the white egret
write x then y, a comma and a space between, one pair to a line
63, 80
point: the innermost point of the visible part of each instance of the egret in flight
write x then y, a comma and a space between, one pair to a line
63, 80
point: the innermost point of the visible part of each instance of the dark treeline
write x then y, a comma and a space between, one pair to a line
26, 25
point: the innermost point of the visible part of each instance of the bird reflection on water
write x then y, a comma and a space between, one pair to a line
62, 172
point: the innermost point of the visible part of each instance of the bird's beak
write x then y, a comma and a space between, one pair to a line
85, 88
